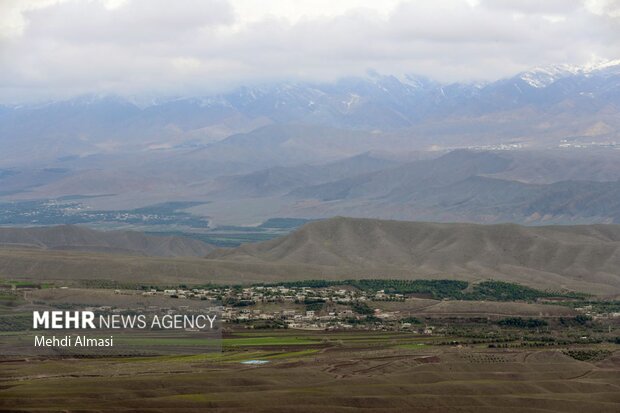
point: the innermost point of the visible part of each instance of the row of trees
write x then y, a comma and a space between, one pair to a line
442, 289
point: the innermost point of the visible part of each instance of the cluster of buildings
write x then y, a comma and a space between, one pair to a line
335, 319
308, 308
279, 294
598, 313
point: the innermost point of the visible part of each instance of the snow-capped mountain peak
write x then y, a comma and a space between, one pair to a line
540, 77
544, 76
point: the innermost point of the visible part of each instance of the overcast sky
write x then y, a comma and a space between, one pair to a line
55, 49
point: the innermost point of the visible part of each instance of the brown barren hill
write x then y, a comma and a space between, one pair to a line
78, 238
578, 258
584, 257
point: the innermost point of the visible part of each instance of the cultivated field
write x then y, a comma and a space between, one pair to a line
320, 371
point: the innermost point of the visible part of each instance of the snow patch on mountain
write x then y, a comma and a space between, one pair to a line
540, 77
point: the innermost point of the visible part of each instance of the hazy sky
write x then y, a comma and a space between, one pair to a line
60, 48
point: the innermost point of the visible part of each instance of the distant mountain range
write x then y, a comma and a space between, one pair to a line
540, 147
554, 103
473, 186
562, 186
77, 238
461, 186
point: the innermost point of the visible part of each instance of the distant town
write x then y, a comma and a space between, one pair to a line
326, 308
350, 306
371, 304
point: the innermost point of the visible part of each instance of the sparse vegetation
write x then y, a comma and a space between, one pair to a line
588, 355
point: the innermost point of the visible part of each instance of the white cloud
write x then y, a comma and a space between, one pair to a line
533, 6
12, 20
609, 8
60, 48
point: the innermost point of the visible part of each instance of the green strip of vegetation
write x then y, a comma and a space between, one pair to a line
442, 289
612, 306
503, 291
522, 322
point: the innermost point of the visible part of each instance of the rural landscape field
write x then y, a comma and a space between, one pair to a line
334, 372
520, 349
310, 206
